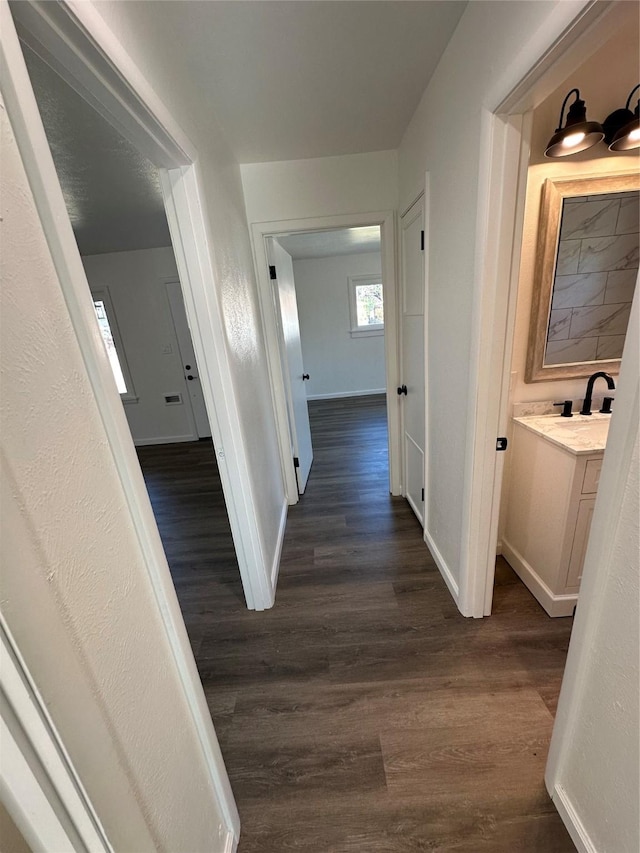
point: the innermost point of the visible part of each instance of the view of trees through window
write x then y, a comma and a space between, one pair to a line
369, 305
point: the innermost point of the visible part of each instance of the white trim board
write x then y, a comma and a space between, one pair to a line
574, 825
165, 439
443, 568
555, 605
275, 566
39, 785
338, 395
260, 231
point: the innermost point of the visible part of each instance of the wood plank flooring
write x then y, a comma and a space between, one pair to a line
362, 713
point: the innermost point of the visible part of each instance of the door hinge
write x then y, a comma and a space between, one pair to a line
423, 495
272, 272
296, 462
501, 443
422, 241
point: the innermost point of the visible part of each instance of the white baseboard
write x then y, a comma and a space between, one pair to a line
340, 394
574, 825
445, 571
275, 566
555, 605
164, 439
231, 844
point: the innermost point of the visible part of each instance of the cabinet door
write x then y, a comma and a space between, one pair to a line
580, 540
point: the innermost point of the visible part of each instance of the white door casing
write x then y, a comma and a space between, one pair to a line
188, 358
39, 786
412, 350
260, 231
286, 310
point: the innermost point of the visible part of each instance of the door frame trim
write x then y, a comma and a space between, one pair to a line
78, 40
421, 198
566, 40
260, 231
41, 789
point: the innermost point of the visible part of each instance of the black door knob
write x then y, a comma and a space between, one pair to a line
305, 375
189, 377
402, 390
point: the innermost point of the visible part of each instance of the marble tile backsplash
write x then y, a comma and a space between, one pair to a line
596, 271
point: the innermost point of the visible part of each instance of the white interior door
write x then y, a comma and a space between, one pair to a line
188, 356
412, 388
284, 291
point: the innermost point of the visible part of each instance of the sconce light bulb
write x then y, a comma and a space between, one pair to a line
634, 136
573, 139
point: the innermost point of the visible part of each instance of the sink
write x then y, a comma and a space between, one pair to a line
579, 434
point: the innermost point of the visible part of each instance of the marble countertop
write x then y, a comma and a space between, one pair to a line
580, 434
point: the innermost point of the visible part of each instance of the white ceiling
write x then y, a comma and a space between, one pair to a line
111, 191
287, 80
295, 80
327, 244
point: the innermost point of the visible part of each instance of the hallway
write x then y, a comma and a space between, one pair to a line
363, 713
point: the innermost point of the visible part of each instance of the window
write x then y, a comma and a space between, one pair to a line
366, 305
113, 343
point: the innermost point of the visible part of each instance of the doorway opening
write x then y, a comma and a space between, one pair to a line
582, 299
115, 204
328, 293
551, 472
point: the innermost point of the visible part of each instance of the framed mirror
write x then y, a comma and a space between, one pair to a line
585, 276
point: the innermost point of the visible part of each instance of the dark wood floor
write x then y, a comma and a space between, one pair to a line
362, 713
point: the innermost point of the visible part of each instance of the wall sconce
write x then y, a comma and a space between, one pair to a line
622, 127
578, 134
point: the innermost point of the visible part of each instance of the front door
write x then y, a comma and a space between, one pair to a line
412, 390
284, 292
187, 354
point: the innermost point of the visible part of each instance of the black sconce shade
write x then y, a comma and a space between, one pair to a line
622, 127
578, 134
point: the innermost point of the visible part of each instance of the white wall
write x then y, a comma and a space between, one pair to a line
143, 36
136, 284
491, 39
338, 364
75, 590
593, 770
327, 186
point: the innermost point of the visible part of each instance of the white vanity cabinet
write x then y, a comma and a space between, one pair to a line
555, 469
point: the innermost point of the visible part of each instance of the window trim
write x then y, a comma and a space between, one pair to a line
355, 281
102, 294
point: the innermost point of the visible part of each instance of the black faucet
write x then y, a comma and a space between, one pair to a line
586, 406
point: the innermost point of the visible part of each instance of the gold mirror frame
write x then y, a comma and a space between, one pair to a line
553, 194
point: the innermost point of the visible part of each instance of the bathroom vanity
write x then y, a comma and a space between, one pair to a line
555, 469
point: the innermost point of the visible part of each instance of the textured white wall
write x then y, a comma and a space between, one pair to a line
327, 186
490, 39
593, 764
136, 282
337, 363
149, 45
75, 589
600, 775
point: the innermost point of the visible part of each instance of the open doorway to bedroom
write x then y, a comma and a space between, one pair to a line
328, 294
116, 208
